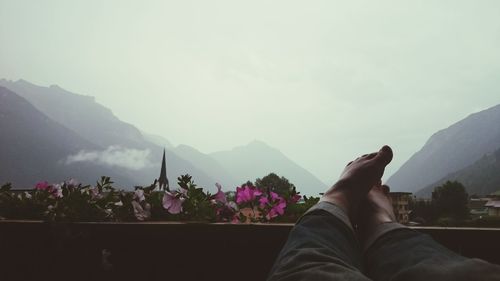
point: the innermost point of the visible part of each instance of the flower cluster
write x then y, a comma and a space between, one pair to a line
72, 201
54, 190
264, 204
225, 210
273, 204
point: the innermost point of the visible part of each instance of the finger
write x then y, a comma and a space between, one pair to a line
349, 163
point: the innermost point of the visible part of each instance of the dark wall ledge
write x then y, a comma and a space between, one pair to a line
34, 250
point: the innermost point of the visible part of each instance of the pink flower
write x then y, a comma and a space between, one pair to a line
277, 210
247, 194
263, 201
56, 190
43, 185
236, 219
172, 203
295, 198
274, 196
220, 196
272, 205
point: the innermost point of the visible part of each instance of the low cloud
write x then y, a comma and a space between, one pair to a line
115, 156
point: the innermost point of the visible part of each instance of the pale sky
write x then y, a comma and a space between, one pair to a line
323, 81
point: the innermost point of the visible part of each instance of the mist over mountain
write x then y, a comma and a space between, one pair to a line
258, 159
158, 140
450, 150
34, 147
114, 143
82, 139
208, 164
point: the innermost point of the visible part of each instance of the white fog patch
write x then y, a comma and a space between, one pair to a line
117, 156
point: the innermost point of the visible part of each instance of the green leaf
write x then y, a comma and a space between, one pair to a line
6, 187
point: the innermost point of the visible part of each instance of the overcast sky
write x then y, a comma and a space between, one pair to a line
323, 81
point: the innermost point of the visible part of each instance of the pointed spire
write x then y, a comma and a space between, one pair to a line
163, 181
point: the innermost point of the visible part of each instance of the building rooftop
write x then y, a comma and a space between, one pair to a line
493, 204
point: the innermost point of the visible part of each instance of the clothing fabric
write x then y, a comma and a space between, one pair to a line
323, 246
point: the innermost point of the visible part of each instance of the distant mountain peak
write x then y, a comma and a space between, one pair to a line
22, 82
253, 145
186, 147
257, 159
258, 142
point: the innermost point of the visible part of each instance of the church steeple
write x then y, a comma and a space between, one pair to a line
163, 181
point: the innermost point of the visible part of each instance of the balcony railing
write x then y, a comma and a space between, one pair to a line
34, 250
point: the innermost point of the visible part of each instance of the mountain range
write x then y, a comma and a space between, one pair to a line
241, 160
466, 151
51, 134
